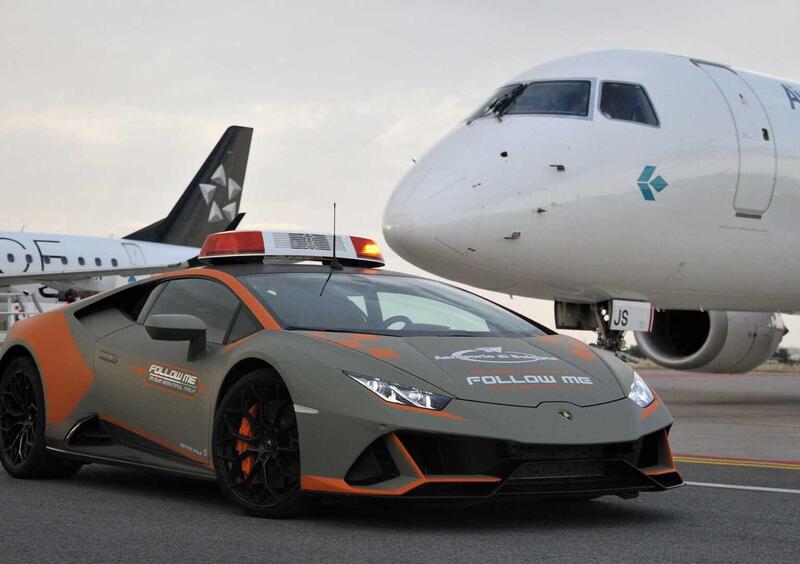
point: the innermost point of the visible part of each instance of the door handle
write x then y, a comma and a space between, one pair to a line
107, 356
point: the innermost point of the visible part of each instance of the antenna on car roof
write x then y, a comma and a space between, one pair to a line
335, 263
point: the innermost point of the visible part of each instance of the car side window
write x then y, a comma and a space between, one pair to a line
627, 102
208, 300
243, 326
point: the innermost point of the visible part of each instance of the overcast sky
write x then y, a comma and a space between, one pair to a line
107, 109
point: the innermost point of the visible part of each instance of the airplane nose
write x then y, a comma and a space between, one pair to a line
423, 208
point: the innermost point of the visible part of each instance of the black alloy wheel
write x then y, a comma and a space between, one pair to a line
257, 447
18, 417
23, 450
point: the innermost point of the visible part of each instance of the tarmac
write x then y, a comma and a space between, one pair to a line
736, 440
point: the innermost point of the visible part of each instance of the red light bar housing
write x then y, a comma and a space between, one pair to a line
241, 243
235, 246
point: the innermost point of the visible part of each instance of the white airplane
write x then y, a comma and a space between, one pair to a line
637, 190
90, 264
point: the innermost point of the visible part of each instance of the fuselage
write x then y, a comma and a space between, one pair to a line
695, 210
30, 254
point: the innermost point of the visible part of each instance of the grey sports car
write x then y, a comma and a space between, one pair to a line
286, 381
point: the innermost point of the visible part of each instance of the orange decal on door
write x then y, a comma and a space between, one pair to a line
66, 376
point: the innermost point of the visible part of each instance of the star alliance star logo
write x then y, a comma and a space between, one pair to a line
220, 181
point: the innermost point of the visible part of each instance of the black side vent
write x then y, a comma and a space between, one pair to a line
89, 432
373, 466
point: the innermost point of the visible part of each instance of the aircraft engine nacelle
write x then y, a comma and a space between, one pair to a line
715, 341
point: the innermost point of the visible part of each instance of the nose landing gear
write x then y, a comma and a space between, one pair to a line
607, 338
593, 317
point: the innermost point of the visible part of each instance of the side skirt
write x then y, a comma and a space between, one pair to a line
91, 458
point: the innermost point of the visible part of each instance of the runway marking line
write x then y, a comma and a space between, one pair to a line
739, 462
743, 488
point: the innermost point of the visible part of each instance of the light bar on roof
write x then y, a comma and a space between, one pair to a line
291, 245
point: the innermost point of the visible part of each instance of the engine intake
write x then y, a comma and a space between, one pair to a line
715, 341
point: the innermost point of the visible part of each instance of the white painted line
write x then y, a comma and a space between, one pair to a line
745, 488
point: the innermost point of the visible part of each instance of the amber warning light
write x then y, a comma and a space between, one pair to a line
294, 246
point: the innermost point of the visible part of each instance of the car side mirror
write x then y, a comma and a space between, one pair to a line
178, 327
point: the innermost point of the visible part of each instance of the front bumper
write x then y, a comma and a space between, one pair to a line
354, 443
426, 466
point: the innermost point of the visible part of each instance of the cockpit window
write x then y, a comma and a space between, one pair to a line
552, 97
499, 99
557, 97
627, 102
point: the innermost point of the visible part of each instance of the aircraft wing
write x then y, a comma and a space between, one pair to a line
66, 276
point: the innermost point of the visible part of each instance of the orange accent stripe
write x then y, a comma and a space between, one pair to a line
241, 341
407, 455
339, 486
387, 354
157, 440
552, 339
580, 350
660, 472
349, 343
241, 291
413, 409
651, 409
66, 376
365, 337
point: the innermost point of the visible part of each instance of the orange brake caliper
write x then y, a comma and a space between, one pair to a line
241, 446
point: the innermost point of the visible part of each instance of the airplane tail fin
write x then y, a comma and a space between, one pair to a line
210, 203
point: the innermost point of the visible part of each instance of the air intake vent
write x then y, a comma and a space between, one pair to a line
373, 466
307, 242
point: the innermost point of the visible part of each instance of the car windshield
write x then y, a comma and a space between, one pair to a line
386, 305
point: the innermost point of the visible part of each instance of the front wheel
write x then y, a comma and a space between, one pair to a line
22, 425
256, 447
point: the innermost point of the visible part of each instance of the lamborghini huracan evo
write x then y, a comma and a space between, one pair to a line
286, 381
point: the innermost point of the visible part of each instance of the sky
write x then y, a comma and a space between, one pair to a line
108, 108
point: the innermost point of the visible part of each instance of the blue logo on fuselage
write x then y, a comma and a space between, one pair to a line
647, 183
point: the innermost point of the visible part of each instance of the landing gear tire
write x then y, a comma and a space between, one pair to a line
22, 425
256, 447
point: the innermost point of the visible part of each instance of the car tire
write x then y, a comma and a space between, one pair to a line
22, 425
257, 454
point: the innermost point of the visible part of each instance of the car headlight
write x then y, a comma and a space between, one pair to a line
402, 395
641, 392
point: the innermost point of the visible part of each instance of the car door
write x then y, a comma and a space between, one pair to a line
150, 388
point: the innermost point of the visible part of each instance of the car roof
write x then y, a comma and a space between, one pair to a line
249, 268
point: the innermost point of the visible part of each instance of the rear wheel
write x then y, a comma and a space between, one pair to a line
257, 447
22, 425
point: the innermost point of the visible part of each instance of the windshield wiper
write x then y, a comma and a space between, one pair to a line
500, 106
329, 330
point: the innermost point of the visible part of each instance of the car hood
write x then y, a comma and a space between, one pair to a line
510, 371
